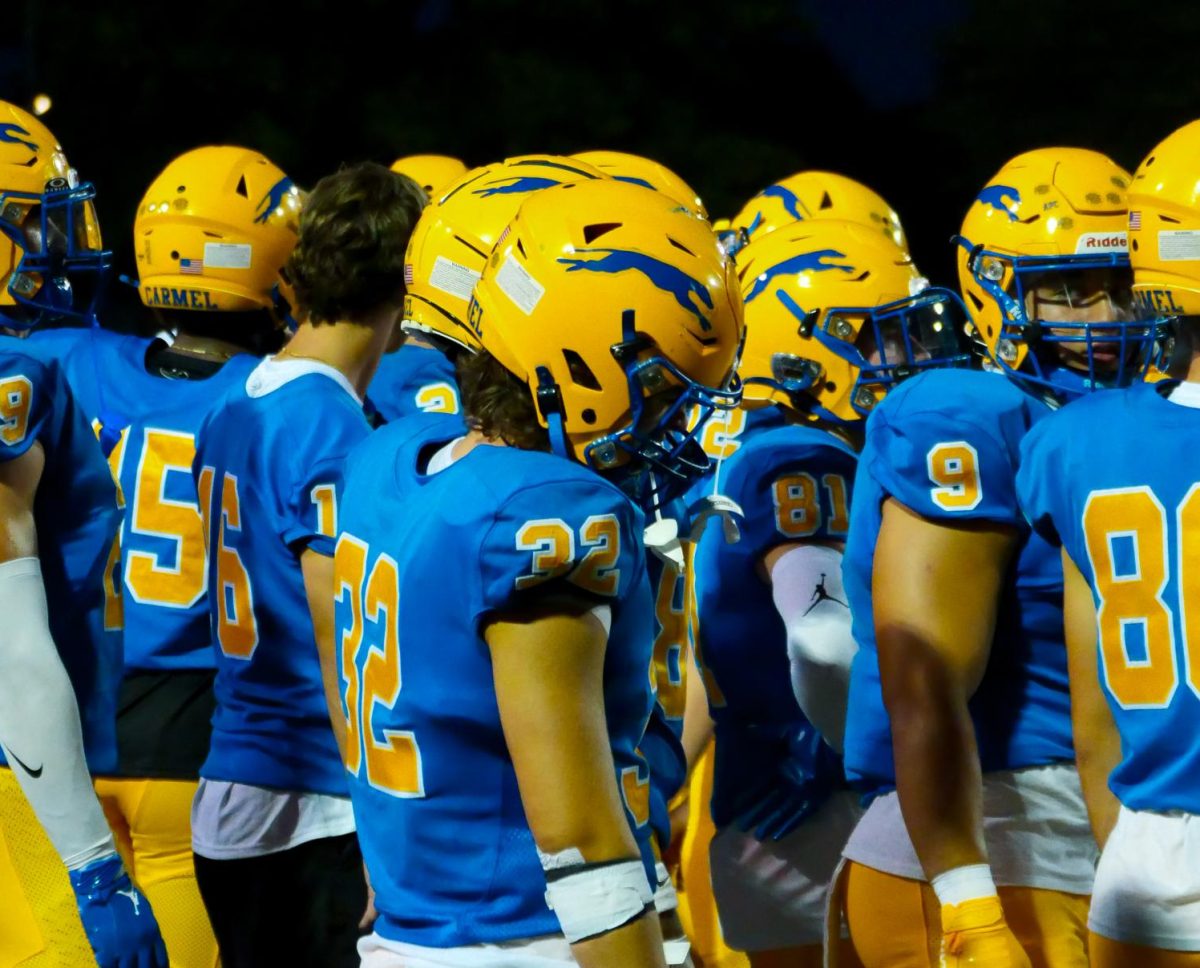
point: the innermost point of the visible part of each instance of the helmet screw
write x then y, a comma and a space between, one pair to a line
12, 212
841, 328
652, 378
56, 184
992, 269
24, 285
606, 455
1006, 349
864, 398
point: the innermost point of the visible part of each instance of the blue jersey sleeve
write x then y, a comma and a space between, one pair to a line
792, 484
28, 390
315, 488
1039, 478
567, 538
945, 462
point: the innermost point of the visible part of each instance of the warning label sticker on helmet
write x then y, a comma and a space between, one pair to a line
1179, 245
226, 255
453, 277
514, 281
1090, 242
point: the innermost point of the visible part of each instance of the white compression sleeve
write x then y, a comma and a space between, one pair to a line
39, 722
806, 584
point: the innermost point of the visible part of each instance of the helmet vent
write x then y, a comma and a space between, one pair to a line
521, 248
1167, 218
862, 277
592, 232
478, 252
976, 300
1033, 218
241, 187
680, 246
581, 373
826, 201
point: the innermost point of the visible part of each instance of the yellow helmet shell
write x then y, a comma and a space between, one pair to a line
214, 230
810, 195
805, 270
580, 269
637, 170
1164, 225
1046, 202
455, 234
432, 172
30, 158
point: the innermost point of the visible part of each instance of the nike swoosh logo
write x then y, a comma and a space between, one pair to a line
34, 774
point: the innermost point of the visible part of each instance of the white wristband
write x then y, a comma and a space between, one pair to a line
964, 884
590, 900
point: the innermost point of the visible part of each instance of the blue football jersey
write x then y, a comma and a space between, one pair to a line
793, 483
414, 379
153, 421
721, 437
946, 444
662, 745
1112, 480
422, 561
268, 471
76, 516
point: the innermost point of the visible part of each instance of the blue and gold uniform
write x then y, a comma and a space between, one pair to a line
149, 425
76, 517
946, 445
414, 379
1122, 508
268, 463
428, 764
793, 484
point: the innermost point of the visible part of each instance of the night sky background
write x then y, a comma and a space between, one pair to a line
922, 100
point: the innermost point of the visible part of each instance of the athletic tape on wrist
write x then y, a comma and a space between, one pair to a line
591, 899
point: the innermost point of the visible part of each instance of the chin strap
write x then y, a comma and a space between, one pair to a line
549, 401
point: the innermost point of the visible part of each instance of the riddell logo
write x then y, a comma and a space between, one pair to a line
1102, 242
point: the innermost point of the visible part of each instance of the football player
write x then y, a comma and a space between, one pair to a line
276, 858
805, 196
505, 727
668, 540
834, 318
60, 661
959, 722
1108, 480
445, 257
211, 235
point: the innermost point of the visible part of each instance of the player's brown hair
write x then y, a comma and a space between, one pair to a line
497, 404
354, 228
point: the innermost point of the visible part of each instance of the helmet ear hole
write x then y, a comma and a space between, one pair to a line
588, 415
977, 303
592, 232
581, 373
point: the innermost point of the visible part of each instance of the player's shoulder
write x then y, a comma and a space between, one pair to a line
955, 394
792, 440
17, 356
511, 474
396, 447
791, 448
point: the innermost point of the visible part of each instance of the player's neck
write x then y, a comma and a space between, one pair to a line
1193, 373
351, 348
